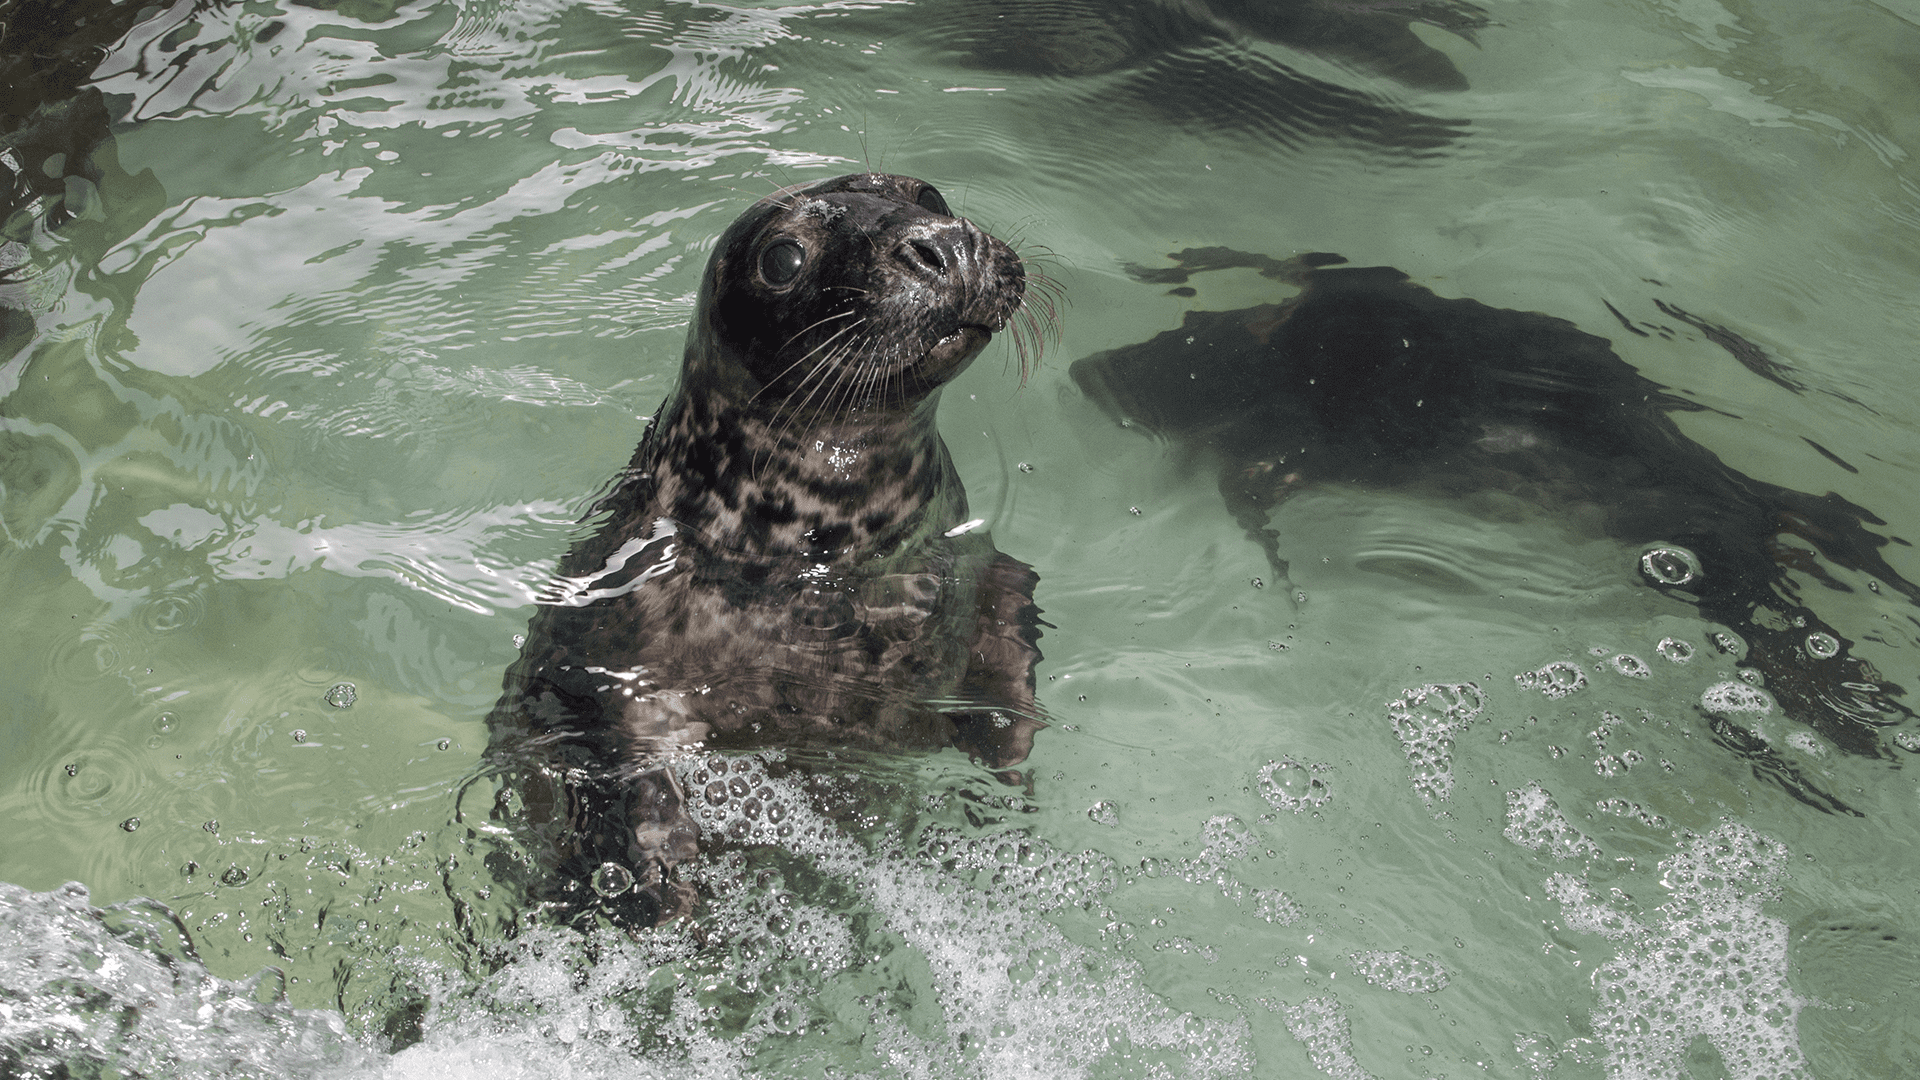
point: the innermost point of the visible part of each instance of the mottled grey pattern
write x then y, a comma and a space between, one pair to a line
775, 566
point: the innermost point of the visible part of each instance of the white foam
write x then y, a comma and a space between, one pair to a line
1320, 1024
1015, 997
1535, 822
1713, 965
1399, 972
90, 989
1426, 721
1736, 697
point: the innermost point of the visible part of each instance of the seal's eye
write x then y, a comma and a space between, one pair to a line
930, 200
781, 262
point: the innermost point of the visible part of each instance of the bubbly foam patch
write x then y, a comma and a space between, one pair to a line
1399, 972
1710, 964
1535, 822
1736, 697
1012, 996
1426, 721
1556, 680
1321, 1025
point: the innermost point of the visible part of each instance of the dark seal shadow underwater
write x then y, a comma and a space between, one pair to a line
1366, 379
788, 559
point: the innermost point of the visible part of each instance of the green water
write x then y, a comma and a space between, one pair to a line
359, 315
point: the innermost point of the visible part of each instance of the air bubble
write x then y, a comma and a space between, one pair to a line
235, 876
1105, 812
1822, 646
611, 879
1670, 565
1631, 666
342, 695
1675, 650
1556, 680
1290, 785
130, 824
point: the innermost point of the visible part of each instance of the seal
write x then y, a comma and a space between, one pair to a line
788, 558
1363, 378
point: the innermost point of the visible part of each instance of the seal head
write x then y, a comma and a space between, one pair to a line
861, 293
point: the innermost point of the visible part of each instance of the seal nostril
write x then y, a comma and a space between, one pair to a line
925, 254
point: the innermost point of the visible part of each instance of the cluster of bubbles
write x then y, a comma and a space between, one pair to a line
1399, 972
1556, 680
1277, 907
1632, 811
1426, 720
1322, 1027
1019, 868
1736, 697
1295, 786
1709, 963
736, 799
1535, 822
1008, 987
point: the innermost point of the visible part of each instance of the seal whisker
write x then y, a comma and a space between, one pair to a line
809, 355
809, 326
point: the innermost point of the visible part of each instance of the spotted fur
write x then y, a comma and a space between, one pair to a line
783, 561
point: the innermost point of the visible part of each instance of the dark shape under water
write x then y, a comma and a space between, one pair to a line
1195, 65
1366, 379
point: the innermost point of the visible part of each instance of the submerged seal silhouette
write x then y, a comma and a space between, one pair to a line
1363, 378
787, 560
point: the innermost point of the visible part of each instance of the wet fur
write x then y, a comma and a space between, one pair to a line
774, 566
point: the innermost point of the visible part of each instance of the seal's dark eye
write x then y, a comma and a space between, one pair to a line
930, 200
781, 262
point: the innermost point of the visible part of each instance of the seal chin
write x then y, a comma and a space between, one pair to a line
956, 349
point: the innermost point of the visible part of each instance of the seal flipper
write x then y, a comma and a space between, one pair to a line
1000, 663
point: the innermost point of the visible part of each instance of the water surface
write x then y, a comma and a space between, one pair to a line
323, 332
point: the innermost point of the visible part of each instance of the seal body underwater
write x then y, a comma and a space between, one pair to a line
1363, 378
787, 560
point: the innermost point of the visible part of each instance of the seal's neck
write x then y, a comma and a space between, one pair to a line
835, 488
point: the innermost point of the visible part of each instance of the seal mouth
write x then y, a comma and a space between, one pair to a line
963, 344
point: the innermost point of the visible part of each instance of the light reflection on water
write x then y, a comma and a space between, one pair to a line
314, 364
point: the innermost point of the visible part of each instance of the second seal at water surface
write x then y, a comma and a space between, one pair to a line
786, 560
